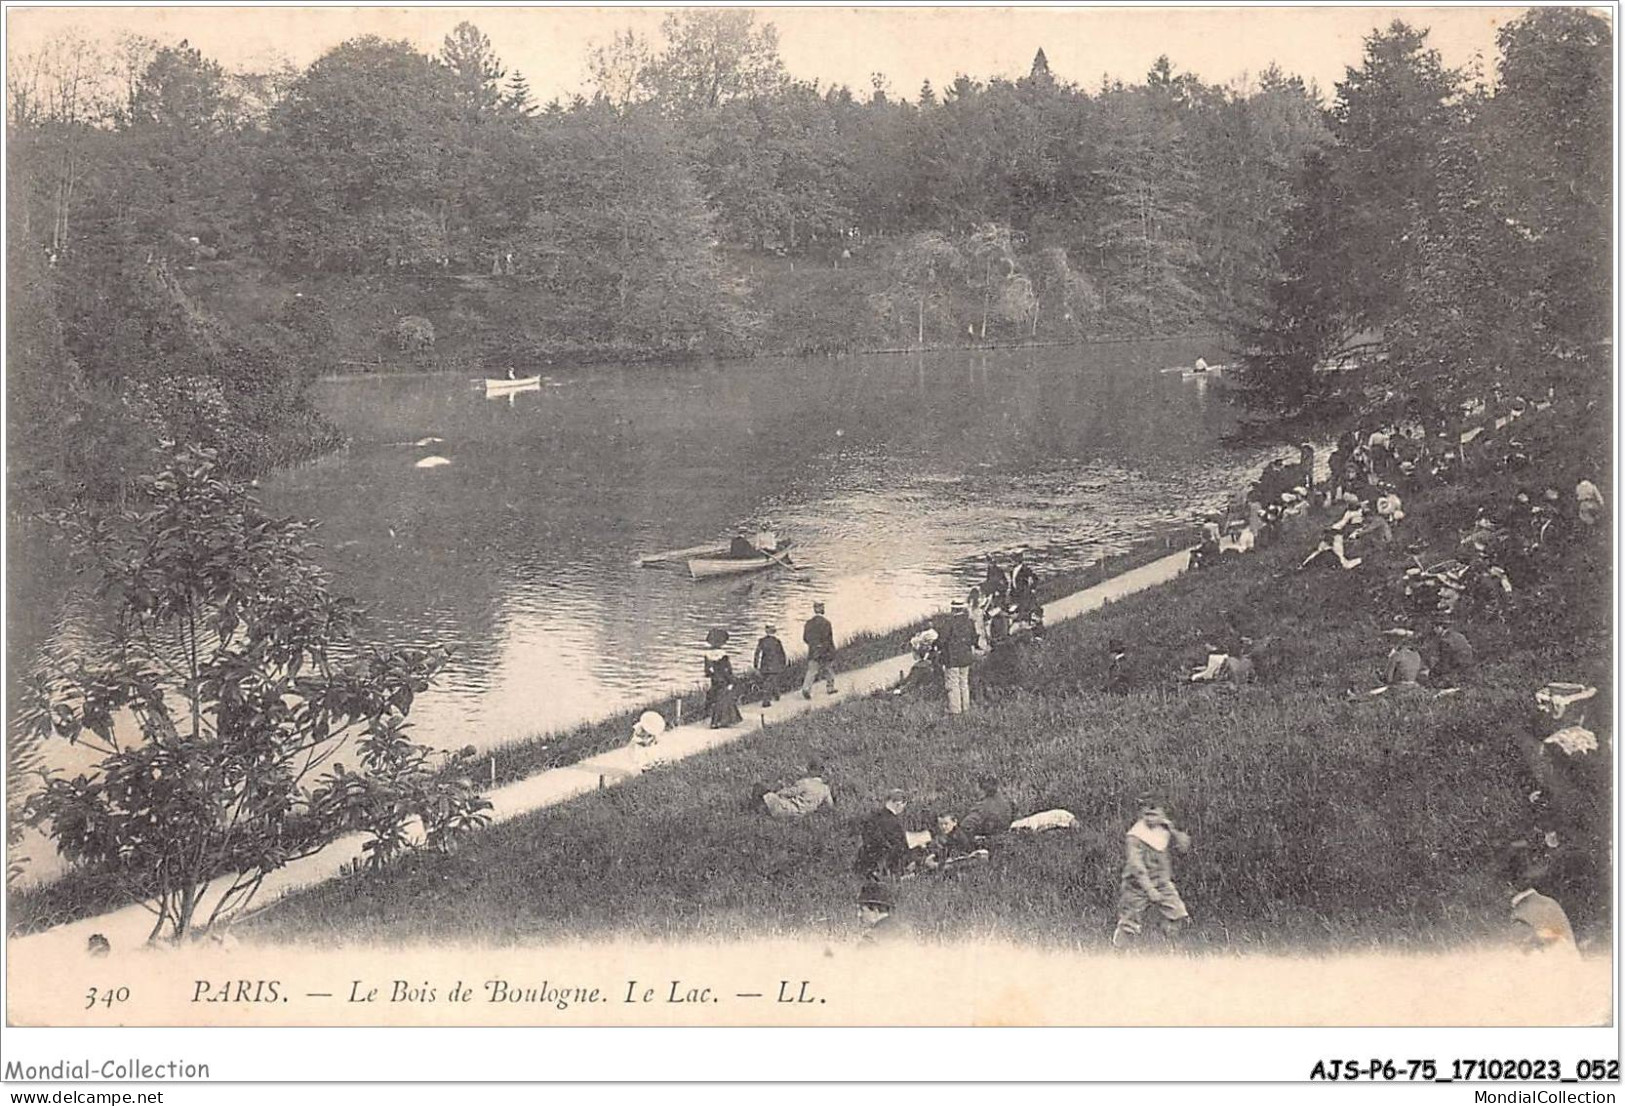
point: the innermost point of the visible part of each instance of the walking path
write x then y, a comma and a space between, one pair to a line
128, 927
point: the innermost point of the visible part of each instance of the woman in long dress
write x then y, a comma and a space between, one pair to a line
722, 696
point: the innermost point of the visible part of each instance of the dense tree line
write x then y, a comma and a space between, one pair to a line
1459, 231
701, 200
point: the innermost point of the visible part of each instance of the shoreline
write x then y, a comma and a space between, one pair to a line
382, 372
609, 763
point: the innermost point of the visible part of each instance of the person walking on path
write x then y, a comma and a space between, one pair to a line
957, 643
770, 663
820, 639
721, 696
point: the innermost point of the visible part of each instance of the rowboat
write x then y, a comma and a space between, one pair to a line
679, 556
502, 387
704, 568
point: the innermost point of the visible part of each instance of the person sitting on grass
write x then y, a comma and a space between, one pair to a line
1148, 874
950, 845
925, 676
1540, 923
883, 849
1121, 677
645, 737
1405, 668
1206, 554
1402, 671
876, 905
806, 796
992, 813
1453, 653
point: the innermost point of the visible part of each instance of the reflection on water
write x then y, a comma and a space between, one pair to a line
893, 475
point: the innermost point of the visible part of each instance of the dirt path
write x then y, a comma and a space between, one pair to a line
128, 927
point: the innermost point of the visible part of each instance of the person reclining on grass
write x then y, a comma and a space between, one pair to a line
1226, 667
1148, 874
1329, 552
806, 796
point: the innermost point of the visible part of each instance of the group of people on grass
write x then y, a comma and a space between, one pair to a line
1001, 611
889, 854
1565, 767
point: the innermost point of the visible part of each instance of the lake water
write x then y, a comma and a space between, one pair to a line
893, 475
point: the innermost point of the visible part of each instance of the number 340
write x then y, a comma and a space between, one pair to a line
108, 997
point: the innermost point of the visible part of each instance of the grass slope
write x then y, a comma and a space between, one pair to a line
1317, 822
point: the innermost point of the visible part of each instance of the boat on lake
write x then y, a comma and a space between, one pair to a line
502, 387
721, 563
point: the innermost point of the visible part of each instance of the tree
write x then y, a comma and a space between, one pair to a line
623, 244
363, 161
916, 277
1550, 147
475, 67
992, 249
230, 676
712, 56
1390, 120
620, 68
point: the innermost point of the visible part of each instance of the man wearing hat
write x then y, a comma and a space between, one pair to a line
819, 637
770, 664
883, 850
875, 906
956, 643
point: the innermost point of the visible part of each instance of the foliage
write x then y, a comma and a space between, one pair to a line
413, 333
228, 678
1464, 233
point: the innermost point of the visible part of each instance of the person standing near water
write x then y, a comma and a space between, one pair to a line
721, 697
770, 663
819, 637
957, 643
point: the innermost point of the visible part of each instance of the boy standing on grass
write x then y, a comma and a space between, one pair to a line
1148, 874
956, 642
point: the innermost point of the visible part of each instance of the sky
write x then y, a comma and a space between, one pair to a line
834, 45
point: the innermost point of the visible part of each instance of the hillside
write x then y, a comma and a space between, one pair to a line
1320, 818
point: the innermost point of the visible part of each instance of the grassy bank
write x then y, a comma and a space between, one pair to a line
82, 893
1317, 821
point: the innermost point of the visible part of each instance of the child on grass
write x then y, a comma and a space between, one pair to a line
1148, 874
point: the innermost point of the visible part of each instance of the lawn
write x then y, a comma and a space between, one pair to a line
1317, 822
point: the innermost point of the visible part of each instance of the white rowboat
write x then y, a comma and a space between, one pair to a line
705, 568
500, 387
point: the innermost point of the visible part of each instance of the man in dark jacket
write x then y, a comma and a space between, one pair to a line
770, 664
819, 637
883, 850
956, 642
992, 813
